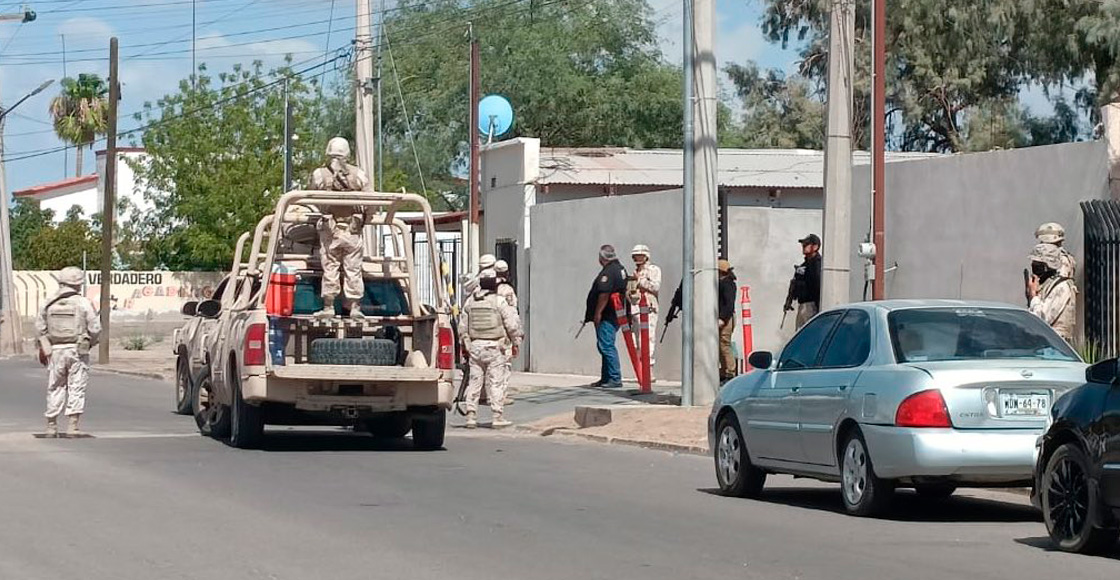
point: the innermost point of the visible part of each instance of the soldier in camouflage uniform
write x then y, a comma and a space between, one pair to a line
1053, 297
67, 327
340, 230
490, 330
647, 284
1055, 234
505, 290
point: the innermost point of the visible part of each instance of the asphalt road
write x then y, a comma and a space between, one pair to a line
148, 499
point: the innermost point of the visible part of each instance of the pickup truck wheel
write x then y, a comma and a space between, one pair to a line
428, 430
211, 416
184, 405
247, 428
394, 426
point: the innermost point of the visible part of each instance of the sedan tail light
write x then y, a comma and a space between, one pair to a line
924, 409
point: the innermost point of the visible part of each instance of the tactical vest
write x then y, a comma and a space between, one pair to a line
65, 321
484, 319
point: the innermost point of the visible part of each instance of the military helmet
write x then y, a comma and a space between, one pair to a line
487, 261
1048, 254
501, 266
640, 250
71, 276
1050, 233
338, 147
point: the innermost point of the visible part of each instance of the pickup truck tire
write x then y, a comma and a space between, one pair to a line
211, 417
184, 403
354, 351
428, 429
394, 426
247, 429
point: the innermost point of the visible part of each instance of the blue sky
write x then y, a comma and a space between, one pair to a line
155, 41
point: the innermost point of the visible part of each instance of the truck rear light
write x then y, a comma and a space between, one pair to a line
446, 357
254, 353
924, 409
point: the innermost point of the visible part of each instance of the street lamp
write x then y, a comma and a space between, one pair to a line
11, 328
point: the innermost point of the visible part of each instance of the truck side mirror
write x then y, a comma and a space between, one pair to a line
190, 308
209, 308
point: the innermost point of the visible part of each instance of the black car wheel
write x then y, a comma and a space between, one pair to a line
211, 416
428, 429
865, 494
183, 390
735, 473
1071, 506
247, 424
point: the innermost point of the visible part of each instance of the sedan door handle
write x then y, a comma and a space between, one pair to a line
842, 387
795, 389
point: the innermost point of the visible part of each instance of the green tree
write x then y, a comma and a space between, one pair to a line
56, 247
81, 113
216, 164
577, 74
777, 111
26, 221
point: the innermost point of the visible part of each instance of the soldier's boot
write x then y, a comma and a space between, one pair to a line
472, 419
328, 308
356, 310
52, 427
74, 429
500, 422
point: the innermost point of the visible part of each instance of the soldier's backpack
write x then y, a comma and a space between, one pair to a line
64, 319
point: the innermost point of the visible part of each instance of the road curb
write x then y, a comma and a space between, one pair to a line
136, 374
644, 444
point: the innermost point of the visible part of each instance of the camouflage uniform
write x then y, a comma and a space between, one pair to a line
68, 350
647, 278
340, 230
488, 338
1056, 302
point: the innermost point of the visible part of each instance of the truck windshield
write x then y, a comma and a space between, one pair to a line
945, 334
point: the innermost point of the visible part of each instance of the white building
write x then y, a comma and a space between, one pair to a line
88, 191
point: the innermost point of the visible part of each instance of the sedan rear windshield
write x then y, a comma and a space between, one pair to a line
945, 334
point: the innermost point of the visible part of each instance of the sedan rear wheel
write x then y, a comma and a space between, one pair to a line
865, 494
1070, 506
734, 471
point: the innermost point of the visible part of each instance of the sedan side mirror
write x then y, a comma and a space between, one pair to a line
209, 308
1103, 372
190, 309
761, 359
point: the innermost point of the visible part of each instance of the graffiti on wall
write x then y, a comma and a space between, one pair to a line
132, 293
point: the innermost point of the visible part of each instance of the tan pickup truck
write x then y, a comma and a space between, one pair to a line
388, 374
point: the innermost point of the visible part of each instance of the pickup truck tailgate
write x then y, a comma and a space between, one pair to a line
357, 373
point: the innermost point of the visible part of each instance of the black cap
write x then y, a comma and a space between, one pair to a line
810, 239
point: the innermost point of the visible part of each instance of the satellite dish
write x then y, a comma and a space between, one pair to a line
495, 116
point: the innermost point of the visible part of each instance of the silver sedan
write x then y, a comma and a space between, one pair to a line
930, 394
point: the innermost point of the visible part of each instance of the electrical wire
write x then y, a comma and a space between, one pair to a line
404, 111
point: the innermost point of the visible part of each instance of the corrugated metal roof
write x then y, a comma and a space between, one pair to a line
781, 168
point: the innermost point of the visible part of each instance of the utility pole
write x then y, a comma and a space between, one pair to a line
836, 277
363, 44
380, 138
700, 380
476, 171
11, 323
109, 210
879, 145
287, 139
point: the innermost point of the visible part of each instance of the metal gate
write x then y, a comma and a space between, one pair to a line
1102, 276
448, 251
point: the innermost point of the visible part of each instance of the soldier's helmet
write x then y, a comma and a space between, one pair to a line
501, 266
1048, 254
640, 250
71, 276
1050, 233
338, 147
486, 262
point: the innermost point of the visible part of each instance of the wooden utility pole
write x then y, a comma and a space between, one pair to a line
476, 171
109, 210
879, 144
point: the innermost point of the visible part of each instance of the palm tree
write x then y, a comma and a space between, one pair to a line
81, 112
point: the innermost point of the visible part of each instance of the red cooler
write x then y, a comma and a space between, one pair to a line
280, 299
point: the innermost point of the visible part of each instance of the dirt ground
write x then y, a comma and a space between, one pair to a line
678, 426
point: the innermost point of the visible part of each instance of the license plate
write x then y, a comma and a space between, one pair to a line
1025, 404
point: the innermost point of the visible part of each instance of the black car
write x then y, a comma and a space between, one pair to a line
1077, 475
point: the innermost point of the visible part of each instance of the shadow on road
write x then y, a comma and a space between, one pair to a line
320, 441
1043, 543
907, 506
